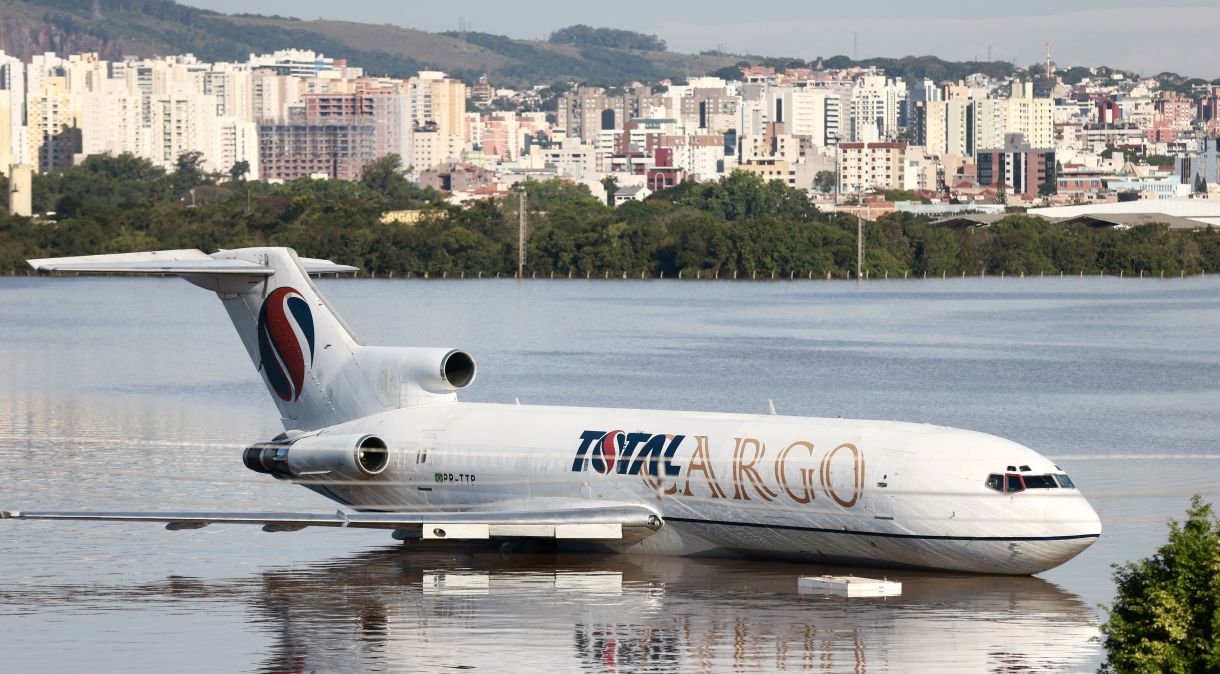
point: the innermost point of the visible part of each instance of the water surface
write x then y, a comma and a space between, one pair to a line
136, 394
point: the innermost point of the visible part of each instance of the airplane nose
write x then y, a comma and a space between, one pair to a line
1070, 526
1093, 519
1073, 519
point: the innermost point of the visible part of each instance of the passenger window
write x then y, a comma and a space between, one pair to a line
995, 482
1040, 482
1013, 483
1065, 481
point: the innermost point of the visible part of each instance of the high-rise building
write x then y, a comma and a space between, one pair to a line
337, 134
303, 63
816, 114
966, 120
53, 116
1175, 110
875, 106
437, 99
13, 144
1209, 105
1017, 166
271, 96
233, 140
298, 150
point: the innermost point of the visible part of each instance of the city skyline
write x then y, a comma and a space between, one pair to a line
1124, 33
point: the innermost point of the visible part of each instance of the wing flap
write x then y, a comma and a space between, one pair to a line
582, 523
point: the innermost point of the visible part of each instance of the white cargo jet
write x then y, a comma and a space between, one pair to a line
379, 430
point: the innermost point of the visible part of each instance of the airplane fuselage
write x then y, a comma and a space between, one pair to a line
381, 431
827, 490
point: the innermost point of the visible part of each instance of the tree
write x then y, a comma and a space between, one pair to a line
610, 183
239, 170
824, 181
1048, 188
581, 35
1167, 612
188, 172
1200, 184
385, 177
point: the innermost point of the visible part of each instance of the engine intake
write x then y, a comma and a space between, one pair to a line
324, 457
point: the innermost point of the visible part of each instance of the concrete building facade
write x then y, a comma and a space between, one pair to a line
1017, 166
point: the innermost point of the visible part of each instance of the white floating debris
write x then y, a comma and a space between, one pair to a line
848, 586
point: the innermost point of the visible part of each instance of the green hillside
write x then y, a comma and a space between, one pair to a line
115, 28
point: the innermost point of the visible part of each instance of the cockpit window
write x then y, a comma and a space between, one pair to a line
995, 482
1013, 483
1040, 482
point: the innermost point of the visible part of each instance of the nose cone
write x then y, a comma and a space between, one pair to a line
1071, 526
1072, 517
1093, 521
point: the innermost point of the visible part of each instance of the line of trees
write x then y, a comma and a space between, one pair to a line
738, 225
581, 35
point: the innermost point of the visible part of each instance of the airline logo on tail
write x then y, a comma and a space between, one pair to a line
285, 341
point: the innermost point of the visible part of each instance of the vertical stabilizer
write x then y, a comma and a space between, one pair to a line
302, 349
317, 371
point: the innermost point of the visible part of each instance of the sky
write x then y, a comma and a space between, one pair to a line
1129, 34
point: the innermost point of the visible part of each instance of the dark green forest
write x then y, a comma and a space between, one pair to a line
582, 35
739, 224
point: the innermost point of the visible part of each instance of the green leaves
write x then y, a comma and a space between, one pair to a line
740, 223
1166, 617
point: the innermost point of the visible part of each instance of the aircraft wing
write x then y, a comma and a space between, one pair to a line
591, 523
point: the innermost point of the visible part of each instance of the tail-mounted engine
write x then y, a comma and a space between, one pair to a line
406, 376
326, 456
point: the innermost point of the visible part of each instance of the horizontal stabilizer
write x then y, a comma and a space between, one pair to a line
175, 262
314, 267
205, 266
606, 522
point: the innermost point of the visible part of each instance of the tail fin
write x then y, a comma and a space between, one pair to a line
299, 344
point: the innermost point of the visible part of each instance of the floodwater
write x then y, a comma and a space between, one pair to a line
136, 394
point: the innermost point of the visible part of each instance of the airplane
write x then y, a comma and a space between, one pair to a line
380, 431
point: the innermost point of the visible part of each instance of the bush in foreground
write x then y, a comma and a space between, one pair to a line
1166, 617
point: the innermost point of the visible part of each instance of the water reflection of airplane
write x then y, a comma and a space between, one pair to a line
435, 610
379, 430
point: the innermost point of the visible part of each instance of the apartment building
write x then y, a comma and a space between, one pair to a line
13, 145
1017, 166
864, 166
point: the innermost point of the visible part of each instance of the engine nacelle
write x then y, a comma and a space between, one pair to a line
326, 456
405, 376
438, 370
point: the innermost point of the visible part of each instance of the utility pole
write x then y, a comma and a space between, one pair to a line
521, 234
859, 237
